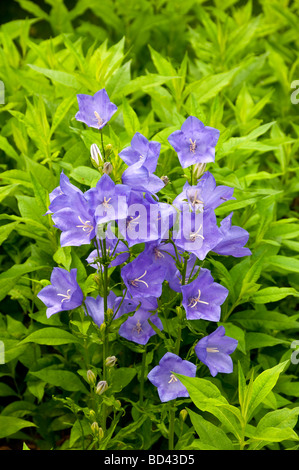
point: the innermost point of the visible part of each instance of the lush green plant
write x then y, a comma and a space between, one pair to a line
230, 65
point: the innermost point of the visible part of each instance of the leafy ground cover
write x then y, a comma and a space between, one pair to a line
234, 66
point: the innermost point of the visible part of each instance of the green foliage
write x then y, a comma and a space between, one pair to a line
229, 63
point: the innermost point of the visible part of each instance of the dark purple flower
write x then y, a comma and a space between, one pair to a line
137, 327
233, 239
142, 150
194, 143
214, 351
95, 307
64, 293
162, 376
96, 110
108, 200
205, 195
142, 278
139, 178
202, 297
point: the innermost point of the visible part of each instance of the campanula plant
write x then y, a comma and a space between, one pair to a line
173, 240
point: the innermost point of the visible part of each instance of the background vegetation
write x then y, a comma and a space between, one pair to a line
230, 63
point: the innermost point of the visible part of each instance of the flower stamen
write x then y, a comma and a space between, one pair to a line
105, 202
133, 282
195, 235
86, 226
212, 350
195, 300
132, 221
66, 296
173, 379
98, 118
192, 145
138, 328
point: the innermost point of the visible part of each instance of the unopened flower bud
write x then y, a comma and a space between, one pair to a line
95, 427
165, 179
91, 378
183, 414
110, 361
95, 155
107, 168
199, 169
101, 387
108, 147
101, 433
92, 414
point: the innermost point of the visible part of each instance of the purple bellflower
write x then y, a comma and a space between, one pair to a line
142, 150
138, 177
202, 297
64, 293
205, 195
162, 254
197, 233
162, 376
95, 111
233, 239
95, 307
194, 143
214, 351
142, 278
61, 196
76, 221
108, 200
138, 329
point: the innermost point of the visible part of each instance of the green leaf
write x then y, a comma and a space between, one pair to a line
10, 425
284, 263
131, 120
120, 378
262, 386
61, 378
273, 294
51, 337
209, 433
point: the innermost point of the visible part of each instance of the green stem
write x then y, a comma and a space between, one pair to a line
103, 148
171, 427
143, 363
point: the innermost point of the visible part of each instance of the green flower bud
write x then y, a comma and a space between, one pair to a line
110, 361
107, 168
91, 378
101, 387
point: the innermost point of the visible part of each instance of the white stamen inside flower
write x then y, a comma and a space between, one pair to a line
158, 253
66, 296
132, 221
192, 145
98, 118
105, 203
138, 328
194, 235
173, 379
212, 350
195, 300
86, 226
194, 200
133, 282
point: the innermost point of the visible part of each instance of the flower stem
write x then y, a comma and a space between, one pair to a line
171, 426
143, 363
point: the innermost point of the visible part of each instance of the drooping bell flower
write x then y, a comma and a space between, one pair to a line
162, 376
195, 142
64, 293
142, 150
203, 297
95, 111
214, 351
233, 239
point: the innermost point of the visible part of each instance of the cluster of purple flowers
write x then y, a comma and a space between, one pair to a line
130, 213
